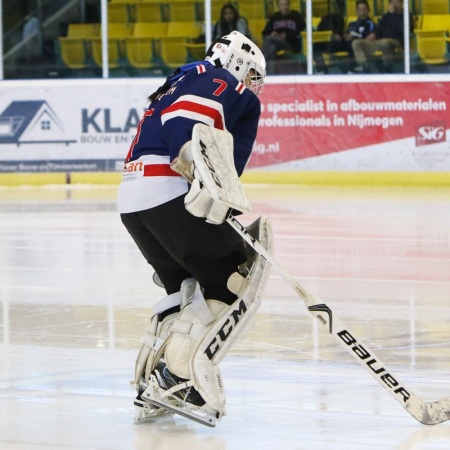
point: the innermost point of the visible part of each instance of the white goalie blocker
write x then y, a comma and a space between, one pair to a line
216, 187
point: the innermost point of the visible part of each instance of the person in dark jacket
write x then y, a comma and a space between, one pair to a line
360, 28
282, 32
387, 38
330, 22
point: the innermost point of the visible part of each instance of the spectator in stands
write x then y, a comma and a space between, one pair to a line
31, 39
387, 38
282, 32
360, 28
229, 21
330, 22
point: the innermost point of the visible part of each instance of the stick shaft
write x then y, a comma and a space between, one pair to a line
428, 413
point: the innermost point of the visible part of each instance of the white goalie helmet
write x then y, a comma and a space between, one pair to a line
239, 55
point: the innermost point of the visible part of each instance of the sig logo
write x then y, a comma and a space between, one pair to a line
430, 134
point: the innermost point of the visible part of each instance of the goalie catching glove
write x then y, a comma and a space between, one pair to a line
207, 163
199, 203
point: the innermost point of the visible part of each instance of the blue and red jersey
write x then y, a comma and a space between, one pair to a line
197, 92
201, 93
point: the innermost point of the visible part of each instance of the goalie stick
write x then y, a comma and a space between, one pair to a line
428, 413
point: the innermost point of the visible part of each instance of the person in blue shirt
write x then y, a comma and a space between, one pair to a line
388, 37
360, 28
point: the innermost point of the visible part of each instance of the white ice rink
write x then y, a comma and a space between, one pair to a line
74, 304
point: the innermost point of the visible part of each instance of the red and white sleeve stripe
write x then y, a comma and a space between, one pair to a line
196, 108
240, 88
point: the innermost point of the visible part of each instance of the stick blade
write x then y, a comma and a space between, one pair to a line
429, 413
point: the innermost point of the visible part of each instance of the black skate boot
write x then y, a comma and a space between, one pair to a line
167, 380
168, 391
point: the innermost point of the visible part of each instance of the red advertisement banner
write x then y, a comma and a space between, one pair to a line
300, 121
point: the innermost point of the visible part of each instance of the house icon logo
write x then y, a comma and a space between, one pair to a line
31, 122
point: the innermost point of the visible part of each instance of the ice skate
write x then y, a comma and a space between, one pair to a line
146, 412
177, 395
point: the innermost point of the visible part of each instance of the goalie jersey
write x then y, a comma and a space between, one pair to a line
197, 92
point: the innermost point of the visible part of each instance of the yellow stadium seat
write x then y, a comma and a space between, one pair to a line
321, 8
139, 49
417, 22
317, 36
117, 32
433, 25
251, 10
118, 12
433, 22
150, 29
75, 49
421, 34
172, 51
83, 30
182, 10
256, 27
216, 7
315, 22
435, 7
114, 53
270, 7
195, 52
148, 12
433, 50
73, 52
139, 52
187, 29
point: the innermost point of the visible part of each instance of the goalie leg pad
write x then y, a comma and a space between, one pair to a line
155, 337
196, 318
148, 356
249, 290
206, 329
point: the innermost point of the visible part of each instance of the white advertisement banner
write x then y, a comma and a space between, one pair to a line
72, 125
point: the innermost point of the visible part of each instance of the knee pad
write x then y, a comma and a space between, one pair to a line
205, 330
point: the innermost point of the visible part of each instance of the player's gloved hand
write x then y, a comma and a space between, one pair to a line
184, 163
199, 203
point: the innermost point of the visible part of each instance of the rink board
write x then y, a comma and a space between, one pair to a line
340, 130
